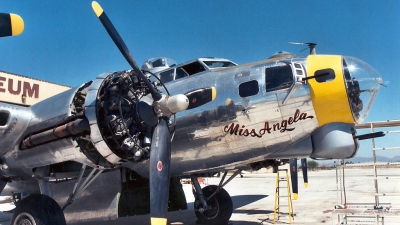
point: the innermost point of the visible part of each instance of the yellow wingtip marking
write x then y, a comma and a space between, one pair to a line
214, 93
306, 185
295, 196
17, 24
97, 8
158, 221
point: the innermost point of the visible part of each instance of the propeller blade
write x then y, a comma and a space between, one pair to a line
122, 47
10, 24
160, 159
304, 168
294, 178
201, 96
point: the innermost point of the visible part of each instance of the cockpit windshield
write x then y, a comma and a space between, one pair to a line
218, 64
362, 83
160, 62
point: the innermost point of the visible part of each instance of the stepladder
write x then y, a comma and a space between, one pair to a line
283, 197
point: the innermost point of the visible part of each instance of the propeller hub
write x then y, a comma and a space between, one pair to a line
169, 105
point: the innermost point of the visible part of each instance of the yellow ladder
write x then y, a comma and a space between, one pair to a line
284, 178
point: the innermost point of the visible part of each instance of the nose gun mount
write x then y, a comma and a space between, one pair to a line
343, 88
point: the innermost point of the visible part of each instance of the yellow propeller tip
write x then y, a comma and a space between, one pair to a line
97, 8
228, 101
17, 24
295, 196
306, 185
158, 221
214, 93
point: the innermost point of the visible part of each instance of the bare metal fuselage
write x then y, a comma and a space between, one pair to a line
230, 131
239, 127
222, 134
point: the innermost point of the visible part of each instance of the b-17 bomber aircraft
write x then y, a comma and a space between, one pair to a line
166, 121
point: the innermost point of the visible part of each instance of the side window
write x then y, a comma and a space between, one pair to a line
4, 115
325, 75
180, 73
278, 77
193, 68
218, 64
247, 89
167, 76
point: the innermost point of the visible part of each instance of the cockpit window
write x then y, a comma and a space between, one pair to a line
193, 68
185, 70
180, 73
278, 77
167, 76
218, 64
4, 115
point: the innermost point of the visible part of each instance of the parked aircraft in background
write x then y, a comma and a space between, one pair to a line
198, 118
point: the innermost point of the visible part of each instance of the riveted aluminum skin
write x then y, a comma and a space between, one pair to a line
334, 141
42, 116
18, 120
231, 131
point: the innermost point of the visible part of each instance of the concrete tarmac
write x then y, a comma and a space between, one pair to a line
253, 199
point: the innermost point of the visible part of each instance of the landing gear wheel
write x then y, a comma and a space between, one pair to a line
221, 207
37, 210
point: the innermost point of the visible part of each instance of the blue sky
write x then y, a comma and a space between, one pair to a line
64, 42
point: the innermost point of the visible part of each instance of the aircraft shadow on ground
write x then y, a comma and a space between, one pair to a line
247, 223
242, 200
187, 217
237, 200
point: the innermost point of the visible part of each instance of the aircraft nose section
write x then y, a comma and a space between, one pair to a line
362, 85
342, 89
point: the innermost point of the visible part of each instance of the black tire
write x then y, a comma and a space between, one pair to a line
221, 207
37, 210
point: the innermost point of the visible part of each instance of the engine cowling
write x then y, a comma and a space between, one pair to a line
116, 116
102, 123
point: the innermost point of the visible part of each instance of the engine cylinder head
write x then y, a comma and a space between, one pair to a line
115, 116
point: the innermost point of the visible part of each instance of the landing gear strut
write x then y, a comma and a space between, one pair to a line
219, 208
213, 205
81, 185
